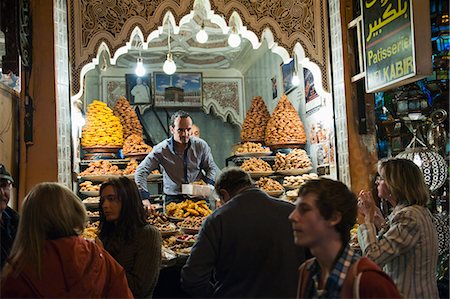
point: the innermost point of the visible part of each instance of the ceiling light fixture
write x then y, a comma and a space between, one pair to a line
140, 69
295, 79
202, 36
169, 66
234, 40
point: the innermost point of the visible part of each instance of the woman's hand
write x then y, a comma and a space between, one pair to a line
378, 218
366, 206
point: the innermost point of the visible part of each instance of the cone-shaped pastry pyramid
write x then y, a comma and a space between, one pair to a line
128, 118
285, 126
254, 127
102, 127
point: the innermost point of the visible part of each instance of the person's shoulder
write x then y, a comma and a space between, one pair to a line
408, 212
12, 213
161, 146
372, 282
149, 231
196, 141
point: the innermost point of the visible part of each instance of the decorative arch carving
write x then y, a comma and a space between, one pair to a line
111, 23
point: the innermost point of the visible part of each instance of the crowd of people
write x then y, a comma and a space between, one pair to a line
252, 246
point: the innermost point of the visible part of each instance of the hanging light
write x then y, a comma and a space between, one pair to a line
140, 69
234, 40
202, 36
169, 66
295, 79
433, 165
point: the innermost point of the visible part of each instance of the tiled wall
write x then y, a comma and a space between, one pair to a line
62, 94
339, 92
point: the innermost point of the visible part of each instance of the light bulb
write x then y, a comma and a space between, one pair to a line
140, 69
295, 79
202, 36
234, 40
169, 66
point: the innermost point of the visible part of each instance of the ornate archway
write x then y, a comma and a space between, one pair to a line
298, 26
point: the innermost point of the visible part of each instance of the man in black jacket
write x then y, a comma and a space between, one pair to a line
9, 219
245, 248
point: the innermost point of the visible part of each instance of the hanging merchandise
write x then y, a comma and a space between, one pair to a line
437, 135
432, 164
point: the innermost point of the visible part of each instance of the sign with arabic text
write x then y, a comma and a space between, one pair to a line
390, 37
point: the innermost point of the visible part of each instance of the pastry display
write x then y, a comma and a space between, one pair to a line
161, 222
128, 118
134, 144
354, 237
89, 186
183, 248
268, 184
292, 195
254, 126
101, 167
131, 167
188, 208
91, 231
296, 159
285, 126
102, 128
295, 181
256, 165
92, 200
251, 147
187, 238
94, 214
192, 223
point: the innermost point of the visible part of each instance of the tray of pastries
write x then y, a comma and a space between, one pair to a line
187, 208
270, 186
191, 225
295, 181
257, 167
295, 163
162, 223
186, 238
252, 149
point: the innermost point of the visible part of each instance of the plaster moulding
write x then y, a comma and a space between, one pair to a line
96, 26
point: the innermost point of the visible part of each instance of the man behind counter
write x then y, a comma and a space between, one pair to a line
181, 159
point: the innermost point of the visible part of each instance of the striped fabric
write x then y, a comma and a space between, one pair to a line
407, 251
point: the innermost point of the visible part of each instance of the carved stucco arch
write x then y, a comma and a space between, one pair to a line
110, 23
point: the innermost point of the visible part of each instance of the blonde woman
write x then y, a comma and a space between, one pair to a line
50, 259
407, 247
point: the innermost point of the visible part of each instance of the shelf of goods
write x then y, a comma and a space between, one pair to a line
279, 172
93, 173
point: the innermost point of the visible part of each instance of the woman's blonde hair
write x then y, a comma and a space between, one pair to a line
404, 180
50, 211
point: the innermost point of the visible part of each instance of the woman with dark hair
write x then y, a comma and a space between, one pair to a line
126, 235
407, 248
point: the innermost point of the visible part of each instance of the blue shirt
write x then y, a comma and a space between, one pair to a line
177, 169
335, 281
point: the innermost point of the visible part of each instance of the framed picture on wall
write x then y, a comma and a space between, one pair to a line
287, 71
112, 89
139, 89
178, 90
312, 98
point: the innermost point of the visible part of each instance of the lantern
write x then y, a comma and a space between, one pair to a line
432, 164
